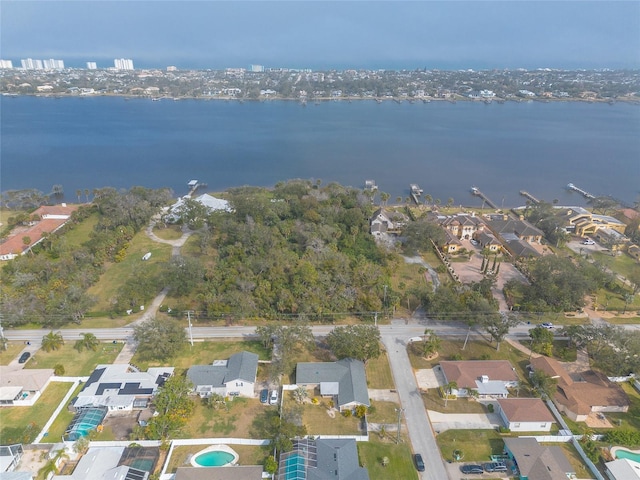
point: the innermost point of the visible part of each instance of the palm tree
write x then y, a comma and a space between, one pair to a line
52, 465
86, 194
52, 341
448, 388
384, 196
88, 341
428, 198
431, 343
79, 194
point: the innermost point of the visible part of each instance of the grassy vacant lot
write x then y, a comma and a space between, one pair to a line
248, 455
80, 233
204, 353
433, 401
379, 373
475, 445
172, 232
477, 348
383, 412
14, 420
75, 363
622, 264
400, 465
235, 422
561, 350
319, 421
116, 273
12, 351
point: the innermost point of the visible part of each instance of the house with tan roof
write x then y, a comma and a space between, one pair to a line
23, 387
490, 378
525, 414
538, 462
462, 225
516, 235
592, 392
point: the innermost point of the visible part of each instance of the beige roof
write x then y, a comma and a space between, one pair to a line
30, 380
525, 410
466, 372
250, 472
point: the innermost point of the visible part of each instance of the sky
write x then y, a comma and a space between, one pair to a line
325, 34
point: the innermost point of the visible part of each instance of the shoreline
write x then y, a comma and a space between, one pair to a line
320, 100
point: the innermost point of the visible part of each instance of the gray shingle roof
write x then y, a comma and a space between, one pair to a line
348, 373
337, 459
240, 366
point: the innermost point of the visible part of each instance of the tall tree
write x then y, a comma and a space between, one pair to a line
88, 341
361, 342
498, 326
174, 408
159, 338
52, 341
544, 385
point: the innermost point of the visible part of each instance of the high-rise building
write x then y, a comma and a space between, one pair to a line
52, 64
31, 64
172, 68
6, 64
92, 66
257, 68
123, 64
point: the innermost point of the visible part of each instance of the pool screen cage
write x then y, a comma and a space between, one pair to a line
293, 465
85, 420
141, 458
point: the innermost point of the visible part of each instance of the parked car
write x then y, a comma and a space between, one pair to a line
547, 325
473, 242
417, 458
588, 241
468, 469
273, 399
495, 467
264, 396
24, 357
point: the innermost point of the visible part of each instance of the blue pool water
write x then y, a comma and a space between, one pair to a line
628, 455
216, 458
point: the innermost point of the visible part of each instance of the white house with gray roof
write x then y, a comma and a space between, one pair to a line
235, 376
344, 380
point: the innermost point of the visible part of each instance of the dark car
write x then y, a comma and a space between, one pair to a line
264, 396
468, 469
417, 458
24, 357
495, 467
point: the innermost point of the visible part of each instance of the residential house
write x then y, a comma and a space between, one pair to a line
322, 459
582, 222
49, 218
591, 392
516, 235
387, 221
623, 469
10, 456
212, 203
525, 414
452, 244
490, 378
611, 238
462, 225
537, 462
345, 381
488, 242
121, 387
235, 376
634, 251
23, 387
237, 472
107, 463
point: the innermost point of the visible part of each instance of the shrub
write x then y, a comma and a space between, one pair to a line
58, 369
490, 407
346, 413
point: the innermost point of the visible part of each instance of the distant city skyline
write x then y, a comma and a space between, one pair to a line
326, 35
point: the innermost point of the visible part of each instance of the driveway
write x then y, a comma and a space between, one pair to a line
383, 395
463, 421
420, 432
430, 378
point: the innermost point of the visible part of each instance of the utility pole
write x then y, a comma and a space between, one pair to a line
190, 331
399, 411
375, 319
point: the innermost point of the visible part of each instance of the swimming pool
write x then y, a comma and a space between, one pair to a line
295, 468
620, 452
215, 456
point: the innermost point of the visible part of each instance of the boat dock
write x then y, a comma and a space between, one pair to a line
524, 193
584, 193
415, 192
370, 185
475, 191
193, 186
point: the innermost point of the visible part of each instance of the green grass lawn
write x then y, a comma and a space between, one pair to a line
622, 264
383, 412
319, 422
433, 401
75, 363
203, 353
574, 458
62, 421
475, 445
80, 233
248, 455
172, 232
12, 351
400, 465
379, 373
631, 419
235, 422
117, 273
15, 420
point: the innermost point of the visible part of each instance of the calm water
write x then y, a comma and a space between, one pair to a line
444, 147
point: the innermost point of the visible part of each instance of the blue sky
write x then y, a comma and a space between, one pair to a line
322, 34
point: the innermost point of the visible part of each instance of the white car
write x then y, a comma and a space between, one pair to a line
273, 398
547, 325
588, 241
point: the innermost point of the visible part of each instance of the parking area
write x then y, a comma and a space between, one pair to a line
454, 473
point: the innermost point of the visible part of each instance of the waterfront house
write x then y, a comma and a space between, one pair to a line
462, 225
234, 376
344, 381
525, 414
538, 462
591, 392
121, 387
451, 244
488, 242
387, 221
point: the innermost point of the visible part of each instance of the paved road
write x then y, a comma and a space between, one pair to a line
420, 433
